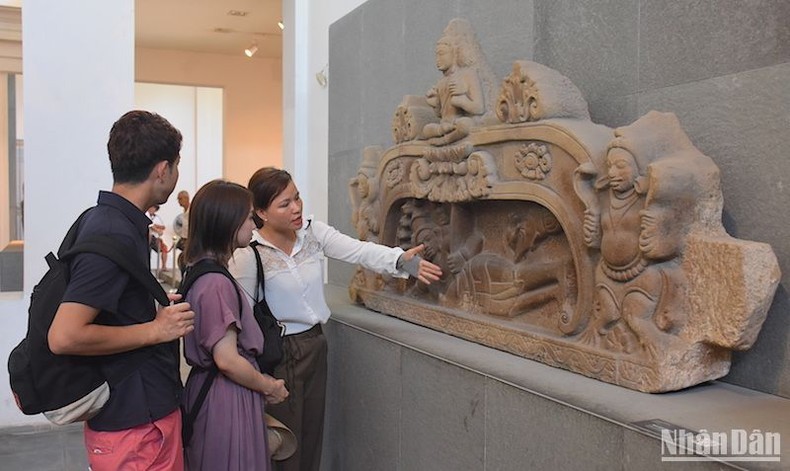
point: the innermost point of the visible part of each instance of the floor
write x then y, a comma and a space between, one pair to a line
42, 448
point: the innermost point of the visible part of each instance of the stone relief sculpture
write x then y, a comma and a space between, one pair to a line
597, 250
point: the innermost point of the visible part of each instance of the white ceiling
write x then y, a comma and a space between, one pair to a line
210, 26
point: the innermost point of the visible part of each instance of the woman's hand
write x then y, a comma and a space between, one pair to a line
239, 370
427, 272
276, 391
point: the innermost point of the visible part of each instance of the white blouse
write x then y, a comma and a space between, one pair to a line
295, 281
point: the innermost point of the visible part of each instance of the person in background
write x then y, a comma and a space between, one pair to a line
229, 432
156, 241
181, 225
106, 315
291, 250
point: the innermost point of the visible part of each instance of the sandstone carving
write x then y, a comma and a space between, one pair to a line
458, 100
593, 249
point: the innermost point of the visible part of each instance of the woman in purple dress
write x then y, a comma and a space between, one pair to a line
229, 431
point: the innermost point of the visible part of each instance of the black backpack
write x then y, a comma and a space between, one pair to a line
40, 380
191, 275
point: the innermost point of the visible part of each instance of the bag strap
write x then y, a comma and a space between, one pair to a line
261, 281
199, 269
109, 247
260, 278
118, 253
188, 419
190, 277
71, 234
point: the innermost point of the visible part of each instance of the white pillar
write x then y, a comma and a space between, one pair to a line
79, 78
78, 68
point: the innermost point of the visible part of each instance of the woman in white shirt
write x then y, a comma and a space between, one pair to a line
291, 251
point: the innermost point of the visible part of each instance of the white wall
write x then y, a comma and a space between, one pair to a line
198, 113
305, 102
252, 100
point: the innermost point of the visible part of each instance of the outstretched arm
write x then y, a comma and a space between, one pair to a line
377, 257
418, 267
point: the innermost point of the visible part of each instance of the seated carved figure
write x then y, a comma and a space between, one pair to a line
460, 94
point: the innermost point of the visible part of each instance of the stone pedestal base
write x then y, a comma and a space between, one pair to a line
403, 397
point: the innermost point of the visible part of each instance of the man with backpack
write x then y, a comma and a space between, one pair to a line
107, 316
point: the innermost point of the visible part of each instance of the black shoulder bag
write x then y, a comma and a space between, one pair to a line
273, 330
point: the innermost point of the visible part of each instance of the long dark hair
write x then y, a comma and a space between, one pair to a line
265, 184
218, 210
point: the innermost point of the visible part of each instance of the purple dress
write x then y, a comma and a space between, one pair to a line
229, 432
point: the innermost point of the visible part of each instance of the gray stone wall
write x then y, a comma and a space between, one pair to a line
722, 66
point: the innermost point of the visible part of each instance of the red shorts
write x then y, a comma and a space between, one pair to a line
151, 447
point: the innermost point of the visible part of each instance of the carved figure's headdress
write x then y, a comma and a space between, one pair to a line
651, 137
370, 161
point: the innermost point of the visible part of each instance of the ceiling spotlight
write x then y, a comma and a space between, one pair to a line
250, 51
281, 25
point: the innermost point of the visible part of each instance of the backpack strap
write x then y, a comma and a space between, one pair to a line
109, 247
199, 269
190, 277
188, 417
71, 234
118, 253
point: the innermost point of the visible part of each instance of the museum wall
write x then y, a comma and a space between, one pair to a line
252, 93
721, 66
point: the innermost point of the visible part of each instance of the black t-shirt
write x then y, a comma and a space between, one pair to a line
150, 384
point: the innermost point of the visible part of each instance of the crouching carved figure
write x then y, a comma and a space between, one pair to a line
593, 249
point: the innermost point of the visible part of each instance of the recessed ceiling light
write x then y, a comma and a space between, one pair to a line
237, 13
281, 25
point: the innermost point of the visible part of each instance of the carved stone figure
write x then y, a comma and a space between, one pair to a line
459, 93
638, 299
364, 195
461, 96
597, 250
512, 283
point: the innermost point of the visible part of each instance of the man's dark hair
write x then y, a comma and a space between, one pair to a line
138, 141
265, 184
215, 216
